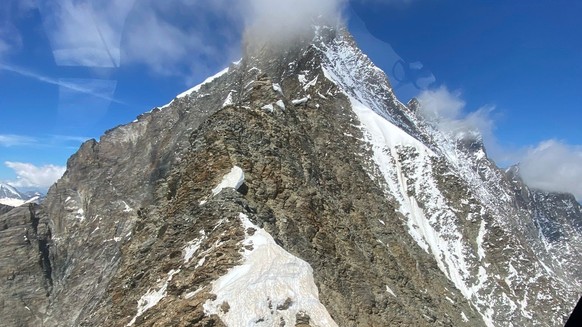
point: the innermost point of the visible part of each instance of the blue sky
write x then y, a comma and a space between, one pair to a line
71, 69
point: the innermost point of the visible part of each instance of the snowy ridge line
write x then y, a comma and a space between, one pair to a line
196, 88
447, 245
362, 80
11, 190
436, 227
206, 81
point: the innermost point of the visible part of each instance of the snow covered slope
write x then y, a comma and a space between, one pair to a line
10, 196
460, 207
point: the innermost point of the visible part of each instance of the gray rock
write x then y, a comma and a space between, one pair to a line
117, 225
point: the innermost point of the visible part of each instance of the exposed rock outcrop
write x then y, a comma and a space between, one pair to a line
296, 169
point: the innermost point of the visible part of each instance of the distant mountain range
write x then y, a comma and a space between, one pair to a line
10, 196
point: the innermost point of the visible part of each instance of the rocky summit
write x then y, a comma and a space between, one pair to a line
290, 189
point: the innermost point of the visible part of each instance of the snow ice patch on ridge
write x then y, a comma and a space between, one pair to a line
235, 178
193, 247
269, 278
152, 297
229, 100
280, 104
277, 88
301, 101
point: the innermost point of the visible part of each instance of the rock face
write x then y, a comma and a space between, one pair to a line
25, 267
291, 189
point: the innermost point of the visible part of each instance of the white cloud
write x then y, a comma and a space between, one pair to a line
9, 36
10, 12
91, 87
448, 111
10, 140
163, 47
173, 37
169, 37
440, 104
29, 175
553, 166
5, 45
85, 32
283, 20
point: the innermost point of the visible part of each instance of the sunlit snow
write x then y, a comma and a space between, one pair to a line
12, 202
270, 285
152, 297
234, 179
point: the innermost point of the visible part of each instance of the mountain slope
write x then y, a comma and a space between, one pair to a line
297, 179
10, 196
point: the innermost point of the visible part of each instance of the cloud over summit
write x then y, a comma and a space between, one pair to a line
272, 21
173, 37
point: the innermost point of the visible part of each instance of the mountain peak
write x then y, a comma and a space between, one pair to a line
297, 178
8, 191
10, 196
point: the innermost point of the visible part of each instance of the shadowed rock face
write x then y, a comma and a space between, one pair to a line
25, 267
5, 208
133, 234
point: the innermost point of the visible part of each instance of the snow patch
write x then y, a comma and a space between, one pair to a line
300, 101
480, 237
276, 286
80, 214
127, 207
310, 83
234, 179
302, 79
193, 247
12, 202
389, 290
280, 104
268, 107
277, 88
190, 295
152, 297
228, 101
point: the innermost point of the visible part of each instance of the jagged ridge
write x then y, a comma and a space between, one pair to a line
401, 223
